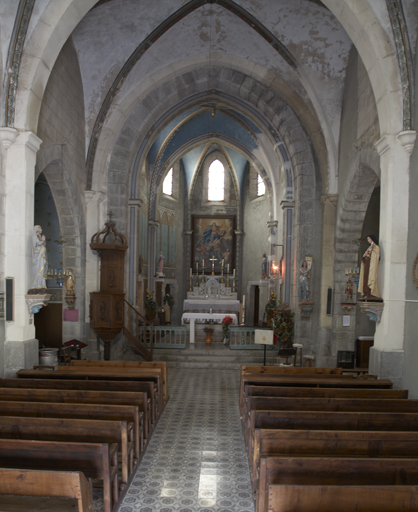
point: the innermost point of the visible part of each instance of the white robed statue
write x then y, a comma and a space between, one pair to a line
39, 261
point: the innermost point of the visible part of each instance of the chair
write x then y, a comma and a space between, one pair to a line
297, 346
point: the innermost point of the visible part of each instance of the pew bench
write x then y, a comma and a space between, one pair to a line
320, 420
329, 443
322, 484
131, 364
72, 373
74, 430
51, 484
262, 403
81, 397
96, 461
128, 413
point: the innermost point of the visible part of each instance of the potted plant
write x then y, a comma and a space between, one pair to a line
283, 325
209, 332
226, 322
150, 306
168, 302
270, 308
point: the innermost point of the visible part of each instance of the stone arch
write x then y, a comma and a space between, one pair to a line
376, 48
56, 166
351, 211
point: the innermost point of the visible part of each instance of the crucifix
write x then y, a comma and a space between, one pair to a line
213, 259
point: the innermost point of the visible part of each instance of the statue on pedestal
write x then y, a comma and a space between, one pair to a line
304, 275
39, 263
160, 269
264, 267
368, 271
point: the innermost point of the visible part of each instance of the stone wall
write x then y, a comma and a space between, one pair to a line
61, 159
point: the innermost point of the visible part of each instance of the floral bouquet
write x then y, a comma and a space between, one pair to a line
226, 322
168, 300
149, 300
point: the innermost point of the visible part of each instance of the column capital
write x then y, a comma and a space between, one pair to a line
30, 140
329, 199
135, 202
8, 137
287, 204
407, 140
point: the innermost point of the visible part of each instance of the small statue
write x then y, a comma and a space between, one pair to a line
304, 278
349, 290
160, 271
368, 286
39, 262
70, 285
264, 267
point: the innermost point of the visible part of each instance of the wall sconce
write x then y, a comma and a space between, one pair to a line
274, 269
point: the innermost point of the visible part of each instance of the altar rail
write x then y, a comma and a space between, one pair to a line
167, 336
242, 338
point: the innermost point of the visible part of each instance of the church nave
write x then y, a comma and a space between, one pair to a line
196, 460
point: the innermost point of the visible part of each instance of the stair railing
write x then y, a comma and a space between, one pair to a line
135, 330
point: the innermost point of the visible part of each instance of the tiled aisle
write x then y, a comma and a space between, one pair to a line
196, 460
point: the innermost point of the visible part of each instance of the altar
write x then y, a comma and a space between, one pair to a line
209, 301
210, 319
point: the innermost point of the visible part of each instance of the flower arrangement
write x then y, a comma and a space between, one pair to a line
271, 304
168, 300
226, 322
149, 300
283, 324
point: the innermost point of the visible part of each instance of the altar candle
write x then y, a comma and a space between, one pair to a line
227, 268
243, 301
233, 273
197, 267
190, 271
223, 262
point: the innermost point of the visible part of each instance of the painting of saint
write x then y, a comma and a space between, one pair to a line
214, 238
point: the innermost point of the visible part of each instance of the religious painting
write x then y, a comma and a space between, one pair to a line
213, 243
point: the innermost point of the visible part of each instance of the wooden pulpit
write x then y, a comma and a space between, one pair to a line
107, 306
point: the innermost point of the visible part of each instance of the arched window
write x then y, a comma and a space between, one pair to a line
216, 181
261, 187
168, 183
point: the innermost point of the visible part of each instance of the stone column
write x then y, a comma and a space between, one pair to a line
152, 248
386, 357
327, 270
134, 206
287, 207
21, 348
95, 218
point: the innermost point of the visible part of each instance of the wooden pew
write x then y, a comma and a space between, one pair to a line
250, 390
74, 430
320, 420
310, 381
82, 397
329, 443
52, 484
128, 413
131, 364
72, 372
82, 384
262, 403
337, 484
96, 461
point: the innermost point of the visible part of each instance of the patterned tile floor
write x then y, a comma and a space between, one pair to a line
196, 460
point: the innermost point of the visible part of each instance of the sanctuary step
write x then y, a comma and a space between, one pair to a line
216, 355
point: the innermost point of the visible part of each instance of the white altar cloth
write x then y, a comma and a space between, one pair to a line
216, 317
224, 306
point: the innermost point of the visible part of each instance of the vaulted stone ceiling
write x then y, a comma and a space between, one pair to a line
296, 49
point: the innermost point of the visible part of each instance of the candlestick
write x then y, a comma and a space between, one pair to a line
223, 263
190, 271
227, 268
197, 267
233, 273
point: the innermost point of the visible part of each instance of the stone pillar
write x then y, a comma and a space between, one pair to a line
134, 206
95, 218
287, 207
327, 270
386, 357
21, 348
152, 248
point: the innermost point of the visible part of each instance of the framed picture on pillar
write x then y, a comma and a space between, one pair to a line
213, 241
